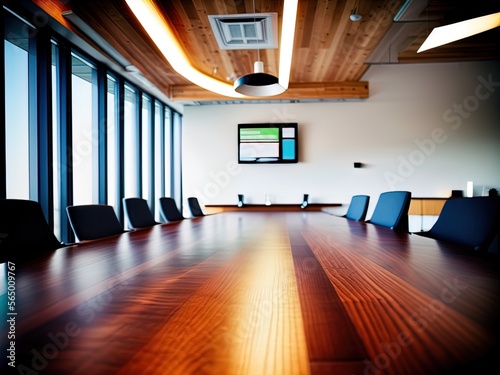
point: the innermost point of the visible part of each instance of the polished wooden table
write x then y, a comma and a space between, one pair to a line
256, 293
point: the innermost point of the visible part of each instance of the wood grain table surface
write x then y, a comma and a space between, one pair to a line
255, 293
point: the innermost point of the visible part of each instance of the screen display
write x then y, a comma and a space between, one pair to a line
267, 143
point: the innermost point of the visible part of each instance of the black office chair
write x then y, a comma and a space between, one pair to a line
470, 222
391, 210
169, 210
194, 207
358, 207
93, 221
137, 213
24, 231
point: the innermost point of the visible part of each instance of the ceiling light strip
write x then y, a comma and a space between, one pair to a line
287, 38
163, 36
459, 30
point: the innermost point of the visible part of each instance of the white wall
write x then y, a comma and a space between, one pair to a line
425, 128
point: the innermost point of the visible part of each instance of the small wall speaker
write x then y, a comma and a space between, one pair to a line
357, 164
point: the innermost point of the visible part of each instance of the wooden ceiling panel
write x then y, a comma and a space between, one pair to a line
329, 49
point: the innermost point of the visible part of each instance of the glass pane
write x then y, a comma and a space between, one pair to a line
177, 157
131, 143
146, 147
16, 108
56, 142
158, 174
112, 141
167, 152
84, 109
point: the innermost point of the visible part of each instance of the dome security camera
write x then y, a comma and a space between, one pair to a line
354, 15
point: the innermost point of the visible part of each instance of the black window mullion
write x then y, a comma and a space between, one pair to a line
65, 145
102, 124
40, 122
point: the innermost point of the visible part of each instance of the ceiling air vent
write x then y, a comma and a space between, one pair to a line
245, 31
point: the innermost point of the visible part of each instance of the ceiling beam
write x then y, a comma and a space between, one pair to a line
315, 90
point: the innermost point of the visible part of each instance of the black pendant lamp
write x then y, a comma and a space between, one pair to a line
258, 83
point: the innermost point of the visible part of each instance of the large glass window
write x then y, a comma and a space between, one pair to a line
146, 149
112, 141
56, 142
159, 184
143, 135
176, 173
84, 131
131, 142
168, 152
17, 108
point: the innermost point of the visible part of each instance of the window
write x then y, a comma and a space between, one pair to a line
131, 142
159, 184
147, 146
85, 134
17, 109
167, 153
113, 159
176, 173
64, 121
56, 141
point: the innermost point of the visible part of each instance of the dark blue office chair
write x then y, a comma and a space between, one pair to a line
24, 231
93, 221
391, 210
358, 207
194, 207
137, 213
470, 222
169, 210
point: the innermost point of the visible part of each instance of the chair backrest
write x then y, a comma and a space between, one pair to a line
194, 207
137, 213
169, 210
93, 221
24, 231
392, 210
358, 207
471, 222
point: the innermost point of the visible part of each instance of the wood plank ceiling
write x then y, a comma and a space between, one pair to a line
331, 53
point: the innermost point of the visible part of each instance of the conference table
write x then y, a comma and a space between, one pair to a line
253, 293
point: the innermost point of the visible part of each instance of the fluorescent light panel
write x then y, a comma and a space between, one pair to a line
163, 36
286, 45
459, 30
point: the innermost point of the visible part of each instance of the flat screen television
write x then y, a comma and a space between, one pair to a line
268, 143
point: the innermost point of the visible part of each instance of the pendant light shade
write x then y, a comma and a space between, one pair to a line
258, 83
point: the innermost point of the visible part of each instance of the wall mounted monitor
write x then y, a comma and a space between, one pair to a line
268, 143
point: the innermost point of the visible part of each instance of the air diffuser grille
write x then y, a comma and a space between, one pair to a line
245, 31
